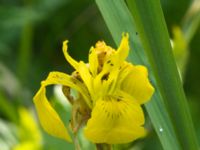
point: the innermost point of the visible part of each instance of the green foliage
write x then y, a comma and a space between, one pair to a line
155, 40
32, 32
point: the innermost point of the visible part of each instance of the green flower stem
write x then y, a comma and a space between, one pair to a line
25, 51
25, 48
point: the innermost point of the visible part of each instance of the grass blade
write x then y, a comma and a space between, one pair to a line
154, 37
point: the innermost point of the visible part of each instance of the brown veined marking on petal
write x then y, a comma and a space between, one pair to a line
113, 115
105, 77
76, 75
109, 62
118, 99
101, 57
103, 106
90, 73
104, 52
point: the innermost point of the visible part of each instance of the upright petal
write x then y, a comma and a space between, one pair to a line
123, 49
103, 51
86, 76
93, 62
115, 121
112, 61
73, 62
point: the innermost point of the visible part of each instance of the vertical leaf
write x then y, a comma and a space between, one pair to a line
149, 21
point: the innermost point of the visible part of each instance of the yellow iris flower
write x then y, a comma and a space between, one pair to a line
110, 87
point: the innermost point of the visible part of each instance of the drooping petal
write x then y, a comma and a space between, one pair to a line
115, 121
48, 117
136, 83
73, 62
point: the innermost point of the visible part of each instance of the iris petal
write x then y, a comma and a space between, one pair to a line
137, 84
115, 120
123, 49
73, 62
111, 68
48, 117
93, 62
86, 77
66, 80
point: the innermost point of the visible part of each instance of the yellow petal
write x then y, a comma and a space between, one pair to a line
48, 117
123, 49
86, 76
73, 62
136, 83
93, 61
106, 80
115, 121
116, 58
121, 54
66, 80
103, 51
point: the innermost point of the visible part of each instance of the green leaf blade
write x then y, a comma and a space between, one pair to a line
155, 40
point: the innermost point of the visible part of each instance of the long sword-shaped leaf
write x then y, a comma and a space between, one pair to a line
150, 23
118, 20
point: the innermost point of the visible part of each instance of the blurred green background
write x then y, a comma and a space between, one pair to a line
31, 35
